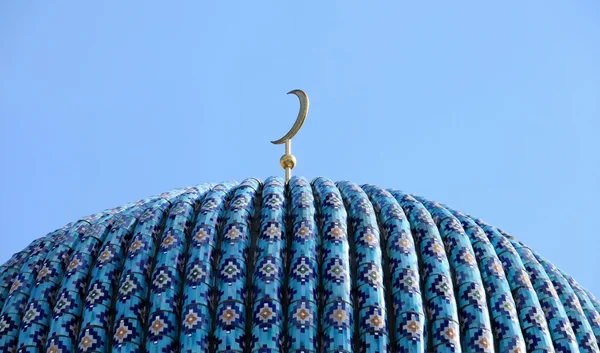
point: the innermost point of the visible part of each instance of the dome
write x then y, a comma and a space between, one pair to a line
300, 267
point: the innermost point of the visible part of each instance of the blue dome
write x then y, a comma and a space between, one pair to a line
307, 267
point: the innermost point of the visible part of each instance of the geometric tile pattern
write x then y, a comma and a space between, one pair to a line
268, 265
304, 267
368, 279
473, 311
335, 305
234, 315
302, 291
437, 285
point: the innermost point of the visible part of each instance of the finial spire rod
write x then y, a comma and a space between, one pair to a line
288, 161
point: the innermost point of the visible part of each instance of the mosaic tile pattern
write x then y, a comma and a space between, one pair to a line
305, 267
303, 294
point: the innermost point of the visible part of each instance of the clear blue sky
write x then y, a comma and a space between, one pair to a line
492, 109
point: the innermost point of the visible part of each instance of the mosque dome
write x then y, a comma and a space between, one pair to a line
269, 266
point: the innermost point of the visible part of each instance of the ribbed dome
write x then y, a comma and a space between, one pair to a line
311, 267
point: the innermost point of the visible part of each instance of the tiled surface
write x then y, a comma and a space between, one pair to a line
305, 267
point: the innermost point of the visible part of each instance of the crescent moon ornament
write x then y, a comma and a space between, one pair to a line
299, 120
288, 161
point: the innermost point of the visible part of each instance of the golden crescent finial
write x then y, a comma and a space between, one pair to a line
299, 120
288, 161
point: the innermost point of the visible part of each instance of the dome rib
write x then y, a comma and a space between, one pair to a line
304, 267
62, 332
10, 269
504, 316
302, 285
162, 323
579, 324
198, 302
369, 291
440, 302
21, 288
405, 307
473, 311
590, 312
98, 308
233, 277
268, 307
337, 308
554, 311
594, 301
533, 323
126, 328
